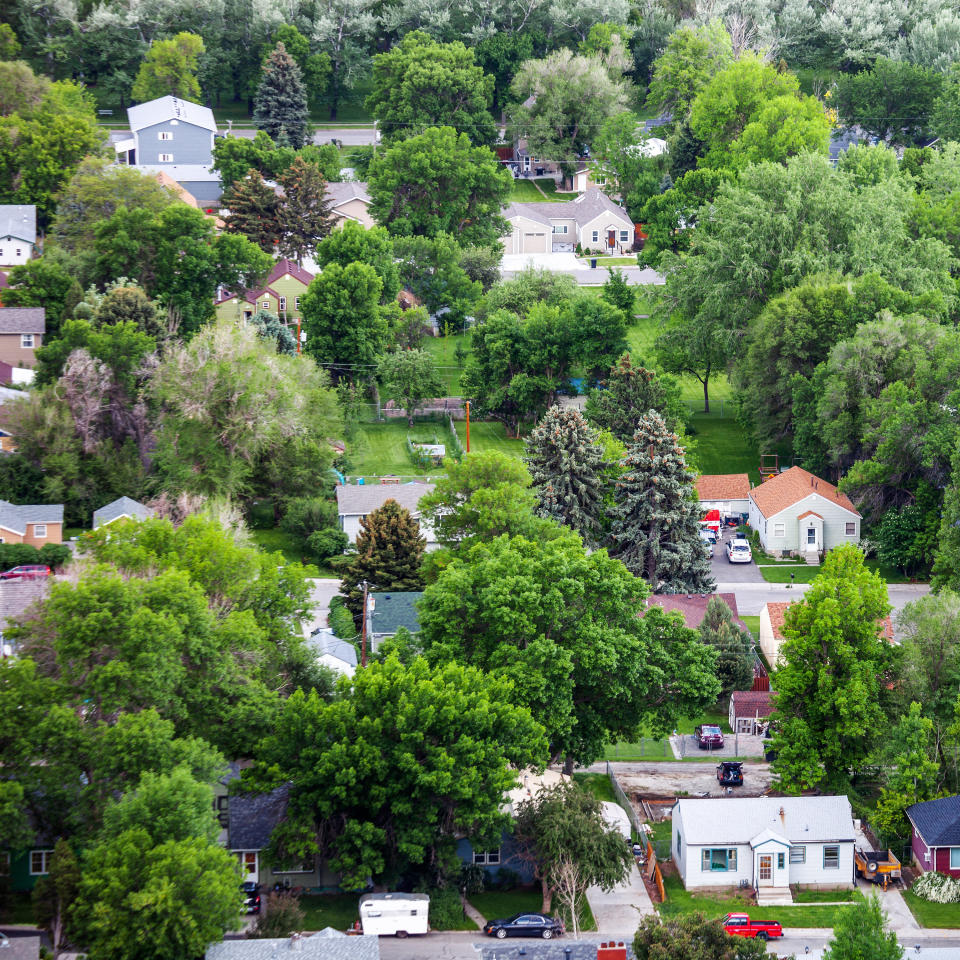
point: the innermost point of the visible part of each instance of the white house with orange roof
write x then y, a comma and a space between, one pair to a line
280, 294
796, 512
727, 492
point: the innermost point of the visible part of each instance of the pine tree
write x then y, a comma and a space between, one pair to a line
656, 520
280, 106
567, 466
254, 211
734, 645
389, 552
305, 214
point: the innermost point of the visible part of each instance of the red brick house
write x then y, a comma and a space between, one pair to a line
750, 710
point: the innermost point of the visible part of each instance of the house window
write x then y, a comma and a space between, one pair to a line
526, 163
596, 236
19, 252
26, 341
248, 862
600, 181
165, 135
296, 302
831, 858
222, 805
283, 304
624, 236
719, 861
955, 858
266, 304
39, 529
559, 229
851, 529
798, 854
780, 863
486, 857
165, 158
779, 530
40, 862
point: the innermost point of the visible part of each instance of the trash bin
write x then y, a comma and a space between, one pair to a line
593, 263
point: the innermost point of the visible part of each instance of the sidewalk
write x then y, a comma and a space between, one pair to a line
891, 899
618, 912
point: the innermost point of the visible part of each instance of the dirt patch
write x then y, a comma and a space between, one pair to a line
659, 783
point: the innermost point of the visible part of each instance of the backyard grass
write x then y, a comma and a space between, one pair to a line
17, 908
501, 904
337, 910
662, 837
598, 784
659, 749
721, 445
753, 625
443, 350
525, 191
612, 261
936, 915
680, 902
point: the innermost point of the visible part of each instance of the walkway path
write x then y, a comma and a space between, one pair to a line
900, 918
618, 911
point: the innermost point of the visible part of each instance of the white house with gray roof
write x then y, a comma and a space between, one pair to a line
354, 502
767, 843
18, 233
592, 220
123, 508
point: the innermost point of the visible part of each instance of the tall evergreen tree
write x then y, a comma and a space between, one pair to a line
305, 212
280, 106
734, 647
567, 467
656, 520
254, 211
389, 551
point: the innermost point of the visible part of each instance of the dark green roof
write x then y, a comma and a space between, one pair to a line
391, 611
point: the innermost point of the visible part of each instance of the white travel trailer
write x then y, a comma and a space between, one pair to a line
394, 914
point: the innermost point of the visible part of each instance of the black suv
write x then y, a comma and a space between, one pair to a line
730, 773
251, 896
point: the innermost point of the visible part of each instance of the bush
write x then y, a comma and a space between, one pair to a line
16, 554
446, 909
303, 515
326, 543
340, 620
506, 879
281, 915
54, 555
472, 878
937, 888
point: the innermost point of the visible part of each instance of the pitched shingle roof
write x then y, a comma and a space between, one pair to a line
394, 610
164, 109
22, 320
751, 703
252, 817
316, 947
588, 206
280, 269
694, 608
723, 486
793, 485
122, 507
19, 220
937, 821
15, 517
358, 500
325, 643
728, 821
348, 190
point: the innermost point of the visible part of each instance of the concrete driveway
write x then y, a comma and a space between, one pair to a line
321, 593
726, 572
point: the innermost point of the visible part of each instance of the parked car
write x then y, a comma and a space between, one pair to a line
708, 534
251, 896
740, 925
28, 571
738, 551
525, 925
709, 736
730, 773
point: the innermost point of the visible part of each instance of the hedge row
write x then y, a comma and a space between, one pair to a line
16, 554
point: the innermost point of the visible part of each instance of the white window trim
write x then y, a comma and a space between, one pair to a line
486, 858
596, 236
624, 236
45, 857
779, 529
559, 228
847, 530
798, 854
164, 134
26, 341
165, 158
283, 304
955, 850
39, 529
832, 866
265, 304
296, 301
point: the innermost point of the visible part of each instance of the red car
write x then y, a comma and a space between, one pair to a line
740, 925
28, 572
709, 736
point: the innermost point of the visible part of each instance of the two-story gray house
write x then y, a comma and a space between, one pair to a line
176, 137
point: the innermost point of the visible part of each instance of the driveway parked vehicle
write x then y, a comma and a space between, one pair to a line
738, 551
28, 571
730, 773
525, 925
251, 896
740, 925
709, 736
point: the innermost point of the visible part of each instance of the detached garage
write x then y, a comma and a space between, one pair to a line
529, 232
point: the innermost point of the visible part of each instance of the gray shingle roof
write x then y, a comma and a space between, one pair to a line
23, 320
22, 948
394, 610
316, 947
353, 501
16, 517
348, 190
253, 817
738, 820
325, 643
18, 220
551, 950
121, 507
164, 109
937, 821
588, 206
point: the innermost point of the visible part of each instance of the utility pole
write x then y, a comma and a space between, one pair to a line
298, 336
363, 627
468, 426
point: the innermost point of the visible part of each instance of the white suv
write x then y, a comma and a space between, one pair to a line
738, 551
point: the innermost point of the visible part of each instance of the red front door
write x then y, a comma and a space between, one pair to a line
611, 238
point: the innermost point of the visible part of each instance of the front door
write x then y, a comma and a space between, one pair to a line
611, 238
765, 873
811, 537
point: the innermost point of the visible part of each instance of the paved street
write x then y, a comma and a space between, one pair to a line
752, 596
514, 263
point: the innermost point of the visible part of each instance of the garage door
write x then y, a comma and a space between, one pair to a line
534, 243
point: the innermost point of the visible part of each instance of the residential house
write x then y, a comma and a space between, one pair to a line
388, 612
35, 524
591, 220
21, 332
768, 843
18, 233
796, 512
935, 838
354, 502
328, 944
771, 631
280, 294
727, 492
750, 711
332, 652
350, 200
123, 508
693, 607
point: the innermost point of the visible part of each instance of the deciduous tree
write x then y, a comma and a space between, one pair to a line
170, 69
862, 932
354, 243
412, 376
692, 935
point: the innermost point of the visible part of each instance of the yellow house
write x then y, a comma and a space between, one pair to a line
280, 295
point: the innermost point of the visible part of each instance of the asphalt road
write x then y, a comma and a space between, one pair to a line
752, 596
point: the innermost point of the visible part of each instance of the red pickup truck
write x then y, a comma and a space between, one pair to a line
740, 925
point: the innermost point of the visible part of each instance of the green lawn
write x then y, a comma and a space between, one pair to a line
613, 261
753, 625
826, 896
721, 445
442, 349
489, 435
650, 749
804, 573
501, 904
18, 908
679, 902
936, 915
525, 191
337, 910
598, 784
662, 837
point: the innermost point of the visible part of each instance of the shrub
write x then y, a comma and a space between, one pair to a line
472, 878
280, 917
340, 620
16, 554
446, 909
937, 888
327, 543
54, 555
304, 515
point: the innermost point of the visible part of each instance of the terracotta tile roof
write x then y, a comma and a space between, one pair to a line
723, 486
792, 486
693, 608
809, 513
778, 611
751, 703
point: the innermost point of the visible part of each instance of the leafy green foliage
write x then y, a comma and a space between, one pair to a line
692, 935
233, 157
170, 69
254, 210
430, 267
279, 917
861, 931
734, 647
280, 106
354, 243
411, 375
55, 893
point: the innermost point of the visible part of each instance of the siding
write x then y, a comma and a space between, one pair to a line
350, 525
769, 644
508, 858
190, 144
14, 252
834, 516
726, 506
943, 862
920, 852
354, 210
11, 352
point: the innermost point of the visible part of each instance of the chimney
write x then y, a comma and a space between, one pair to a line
783, 815
296, 941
